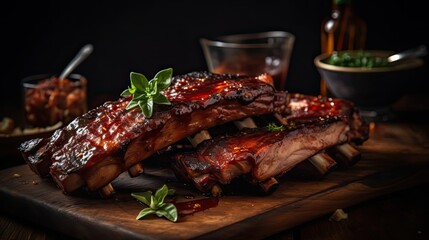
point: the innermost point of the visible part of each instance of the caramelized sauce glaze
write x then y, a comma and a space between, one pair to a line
108, 129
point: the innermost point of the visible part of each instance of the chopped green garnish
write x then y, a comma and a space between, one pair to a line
272, 127
146, 93
156, 204
359, 60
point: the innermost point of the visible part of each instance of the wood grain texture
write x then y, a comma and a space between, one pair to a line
14, 229
399, 215
395, 158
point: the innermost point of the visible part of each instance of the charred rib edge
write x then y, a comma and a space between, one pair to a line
321, 161
197, 139
271, 184
343, 154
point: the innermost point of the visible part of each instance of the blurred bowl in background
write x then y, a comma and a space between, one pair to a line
372, 89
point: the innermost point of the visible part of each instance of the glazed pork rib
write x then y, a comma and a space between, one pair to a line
257, 153
314, 125
95, 148
302, 106
346, 155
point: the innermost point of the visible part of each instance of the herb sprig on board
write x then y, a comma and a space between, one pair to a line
156, 204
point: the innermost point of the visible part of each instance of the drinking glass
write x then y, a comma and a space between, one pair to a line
251, 54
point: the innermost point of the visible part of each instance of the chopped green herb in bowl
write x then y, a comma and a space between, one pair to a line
360, 59
364, 76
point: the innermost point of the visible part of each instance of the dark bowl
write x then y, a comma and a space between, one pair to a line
368, 87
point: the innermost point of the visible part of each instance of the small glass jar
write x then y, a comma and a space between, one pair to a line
49, 100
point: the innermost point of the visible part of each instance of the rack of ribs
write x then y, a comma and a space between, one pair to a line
96, 147
314, 125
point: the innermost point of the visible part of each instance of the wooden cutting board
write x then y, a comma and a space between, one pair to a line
395, 157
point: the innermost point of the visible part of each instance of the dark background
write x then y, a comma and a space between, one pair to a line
142, 36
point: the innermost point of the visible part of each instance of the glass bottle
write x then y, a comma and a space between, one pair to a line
342, 30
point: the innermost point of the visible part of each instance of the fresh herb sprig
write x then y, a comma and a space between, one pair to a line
156, 204
146, 92
272, 127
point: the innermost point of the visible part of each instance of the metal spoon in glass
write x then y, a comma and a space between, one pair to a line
80, 56
419, 51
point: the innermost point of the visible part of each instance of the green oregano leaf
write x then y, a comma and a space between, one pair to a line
126, 93
132, 104
143, 213
143, 197
147, 107
153, 203
156, 204
153, 89
139, 81
161, 193
169, 211
161, 99
163, 78
146, 92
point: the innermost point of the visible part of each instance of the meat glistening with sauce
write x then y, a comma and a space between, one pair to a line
96, 147
315, 124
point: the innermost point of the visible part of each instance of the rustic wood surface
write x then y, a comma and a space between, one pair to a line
396, 157
399, 215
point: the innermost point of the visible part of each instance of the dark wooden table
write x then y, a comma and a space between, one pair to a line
397, 210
